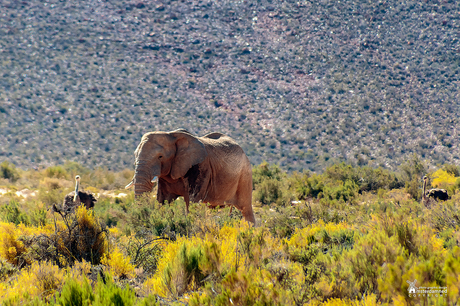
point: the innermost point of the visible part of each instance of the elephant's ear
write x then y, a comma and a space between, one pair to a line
189, 151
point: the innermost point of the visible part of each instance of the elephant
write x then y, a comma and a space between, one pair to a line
213, 169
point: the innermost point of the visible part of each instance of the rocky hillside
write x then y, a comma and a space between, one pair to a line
296, 83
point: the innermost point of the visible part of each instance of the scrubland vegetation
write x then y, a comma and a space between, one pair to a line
348, 236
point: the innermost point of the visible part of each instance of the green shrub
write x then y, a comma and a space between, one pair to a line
342, 182
366, 178
6, 269
8, 171
56, 172
51, 196
270, 184
74, 168
184, 272
412, 172
150, 300
444, 215
270, 191
264, 171
12, 213
314, 266
306, 185
452, 169
38, 217
105, 293
428, 273
452, 270
155, 219
75, 294
413, 167
414, 188
281, 221
356, 272
341, 191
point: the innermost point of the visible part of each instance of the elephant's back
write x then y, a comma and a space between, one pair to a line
225, 149
214, 135
219, 141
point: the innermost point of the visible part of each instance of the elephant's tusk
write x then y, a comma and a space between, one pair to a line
130, 185
154, 179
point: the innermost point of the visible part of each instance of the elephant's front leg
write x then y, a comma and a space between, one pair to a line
187, 202
186, 193
166, 197
165, 193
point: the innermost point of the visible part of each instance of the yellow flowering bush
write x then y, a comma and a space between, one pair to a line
12, 248
83, 238
79, 271
305, 236
443, 179
118, 264
232, 248
41, 279
368, 300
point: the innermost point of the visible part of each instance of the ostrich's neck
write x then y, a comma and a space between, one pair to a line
424, 189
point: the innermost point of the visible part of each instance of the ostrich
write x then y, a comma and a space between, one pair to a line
77, 197
435, 193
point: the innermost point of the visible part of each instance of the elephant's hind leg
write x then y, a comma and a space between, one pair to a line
244, 197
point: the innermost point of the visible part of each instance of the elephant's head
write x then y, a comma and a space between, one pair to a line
165, 154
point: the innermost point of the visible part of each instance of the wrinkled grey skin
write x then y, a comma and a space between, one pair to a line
213, 169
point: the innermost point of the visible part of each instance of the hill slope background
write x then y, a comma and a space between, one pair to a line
296, 83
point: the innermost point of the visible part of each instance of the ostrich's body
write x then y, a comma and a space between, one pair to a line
78, 197
435, 193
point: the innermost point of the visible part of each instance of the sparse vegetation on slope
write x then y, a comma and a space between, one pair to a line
300, 83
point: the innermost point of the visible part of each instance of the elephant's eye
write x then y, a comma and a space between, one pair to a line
160, 157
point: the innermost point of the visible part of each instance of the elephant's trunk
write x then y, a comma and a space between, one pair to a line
142, 183
142, 180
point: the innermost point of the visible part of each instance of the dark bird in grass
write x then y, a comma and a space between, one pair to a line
78, 197
435, 193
